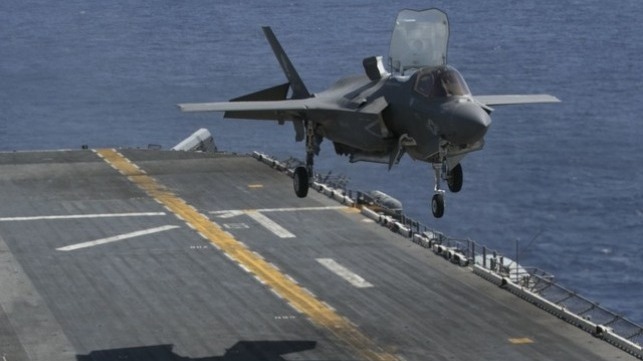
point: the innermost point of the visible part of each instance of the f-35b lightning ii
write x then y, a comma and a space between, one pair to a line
422, 107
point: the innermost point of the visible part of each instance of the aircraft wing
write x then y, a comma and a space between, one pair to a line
491, 100
280, 110
293, 105
290, 109
295, 110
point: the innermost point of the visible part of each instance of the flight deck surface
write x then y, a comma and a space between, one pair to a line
158, 255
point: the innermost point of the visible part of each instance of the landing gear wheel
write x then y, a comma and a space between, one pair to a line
455, 178
300, 182
437, 205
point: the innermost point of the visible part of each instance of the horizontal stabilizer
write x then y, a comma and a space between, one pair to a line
491, 100
278, 92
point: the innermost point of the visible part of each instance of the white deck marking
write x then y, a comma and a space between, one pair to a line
80, 216
270, 225
235, 226
120, 237
344, 273
227, 214
297, 209
236, 212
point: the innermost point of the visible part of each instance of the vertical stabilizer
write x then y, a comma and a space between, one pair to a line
299, 90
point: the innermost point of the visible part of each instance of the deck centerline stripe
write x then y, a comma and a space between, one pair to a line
316, 310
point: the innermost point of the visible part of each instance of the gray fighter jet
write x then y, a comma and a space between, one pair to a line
422, 107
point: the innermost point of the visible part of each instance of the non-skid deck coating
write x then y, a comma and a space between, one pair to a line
152, 255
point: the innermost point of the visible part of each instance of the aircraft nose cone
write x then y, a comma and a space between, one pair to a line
470, 123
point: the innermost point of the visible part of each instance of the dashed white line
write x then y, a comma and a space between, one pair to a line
343, 272
291, 279
277, 293
270, 225
244, 268
309, 292
120, 237
329, 306
295, 307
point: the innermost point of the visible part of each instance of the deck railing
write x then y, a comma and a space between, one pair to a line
530, 283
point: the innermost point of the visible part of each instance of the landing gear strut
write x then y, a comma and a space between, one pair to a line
454, 178
302, 178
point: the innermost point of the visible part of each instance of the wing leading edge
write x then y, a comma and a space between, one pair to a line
279, 110
291, 105
491, 100
290, 109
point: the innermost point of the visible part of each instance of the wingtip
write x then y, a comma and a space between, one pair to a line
548, 98
189, 107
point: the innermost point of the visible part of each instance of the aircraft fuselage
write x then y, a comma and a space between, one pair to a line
432, 107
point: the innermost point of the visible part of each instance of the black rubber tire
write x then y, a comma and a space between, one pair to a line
437, 205
455, 179
300, 182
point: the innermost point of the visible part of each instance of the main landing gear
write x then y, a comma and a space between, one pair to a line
454, 178
302, 178
300, 182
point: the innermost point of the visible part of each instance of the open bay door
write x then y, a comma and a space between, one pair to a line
419, 40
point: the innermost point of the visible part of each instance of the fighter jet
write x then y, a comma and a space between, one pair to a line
421, 107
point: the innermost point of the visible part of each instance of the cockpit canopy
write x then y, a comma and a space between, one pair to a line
419, 40
440, 82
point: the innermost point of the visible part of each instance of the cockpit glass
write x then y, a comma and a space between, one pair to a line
441, 82
419, 40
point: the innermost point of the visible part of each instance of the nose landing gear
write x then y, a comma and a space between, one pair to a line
437, 204
454, 178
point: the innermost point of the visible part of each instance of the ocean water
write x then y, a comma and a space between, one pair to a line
570, 174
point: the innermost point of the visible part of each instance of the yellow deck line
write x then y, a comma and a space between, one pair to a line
318, 312
521, 341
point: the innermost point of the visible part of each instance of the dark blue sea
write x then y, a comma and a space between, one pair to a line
109, 73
